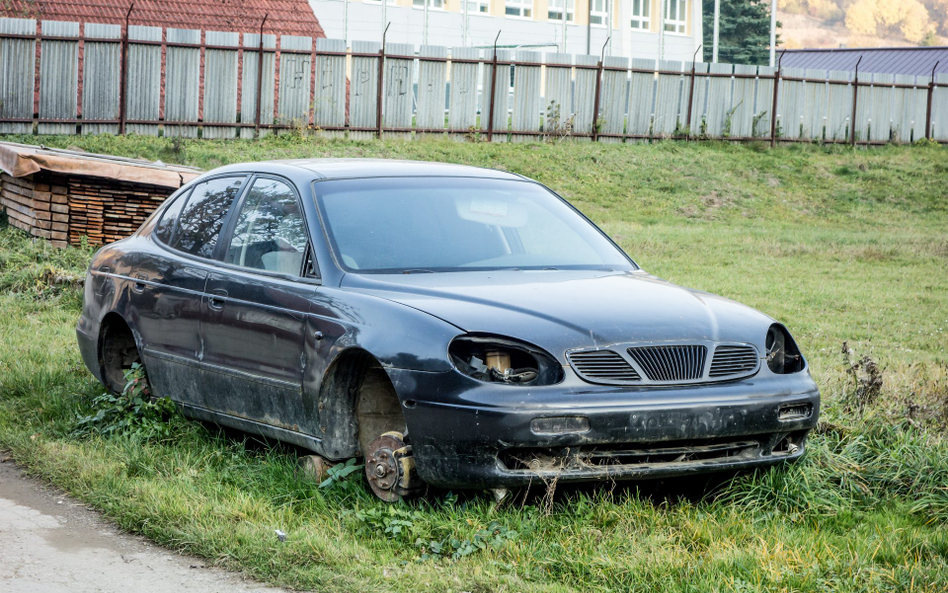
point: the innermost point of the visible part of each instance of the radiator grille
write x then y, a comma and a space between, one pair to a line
671, 363
733, 360
603, 366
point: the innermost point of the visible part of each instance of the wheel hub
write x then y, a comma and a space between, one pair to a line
390, 467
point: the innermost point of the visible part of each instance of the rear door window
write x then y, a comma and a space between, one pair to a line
269, 234
203, 216
164, 230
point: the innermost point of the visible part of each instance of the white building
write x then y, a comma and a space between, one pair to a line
636, 31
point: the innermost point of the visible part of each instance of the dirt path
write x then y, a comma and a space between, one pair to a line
50, 544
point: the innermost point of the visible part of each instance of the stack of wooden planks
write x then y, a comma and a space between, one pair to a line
106, 210
38, 205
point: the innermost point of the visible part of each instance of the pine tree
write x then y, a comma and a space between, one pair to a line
744, 36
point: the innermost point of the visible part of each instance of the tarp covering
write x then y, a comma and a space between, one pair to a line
20, 160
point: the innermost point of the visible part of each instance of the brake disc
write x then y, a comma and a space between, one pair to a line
390, 468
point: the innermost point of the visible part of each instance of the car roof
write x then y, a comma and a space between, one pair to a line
361, 168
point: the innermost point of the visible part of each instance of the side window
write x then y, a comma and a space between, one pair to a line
165, 227
204, 214
269, 234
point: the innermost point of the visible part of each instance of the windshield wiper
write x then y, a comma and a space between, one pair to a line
417, 271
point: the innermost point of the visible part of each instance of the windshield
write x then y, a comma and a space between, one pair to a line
432, 224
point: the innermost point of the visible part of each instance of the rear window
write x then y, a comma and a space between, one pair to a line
203, 216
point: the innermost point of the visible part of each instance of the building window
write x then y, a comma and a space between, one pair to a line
676, 15
556, 10
640, 12
598, 14
478, 7
519, 8
433, 4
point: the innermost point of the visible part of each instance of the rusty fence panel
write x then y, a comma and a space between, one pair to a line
143, 80
17, 59
100, 81
182, 83
59, 77
218, 84
256, 85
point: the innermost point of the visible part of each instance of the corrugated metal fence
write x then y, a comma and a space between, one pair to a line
214, 84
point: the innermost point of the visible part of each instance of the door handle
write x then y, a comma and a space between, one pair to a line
215, 300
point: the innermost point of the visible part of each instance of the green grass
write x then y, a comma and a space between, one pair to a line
841, 245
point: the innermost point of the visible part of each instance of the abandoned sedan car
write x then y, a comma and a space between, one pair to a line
454, 326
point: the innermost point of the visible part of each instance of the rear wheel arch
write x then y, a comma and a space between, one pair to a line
357, 403
117, 350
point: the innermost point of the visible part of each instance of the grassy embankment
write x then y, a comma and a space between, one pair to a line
841, 245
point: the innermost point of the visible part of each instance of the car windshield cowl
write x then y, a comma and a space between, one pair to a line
423, 225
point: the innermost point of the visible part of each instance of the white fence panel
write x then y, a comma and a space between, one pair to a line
500, 94
791, 100
558, 111
940, 109
397, 95
760, 126
432, 88
295, 78
525, 116
462, 114
363, 94
839, 107
720, 101
613, 99
880, 128
641, 97
814, 108
668, 98
329, 104
743, 103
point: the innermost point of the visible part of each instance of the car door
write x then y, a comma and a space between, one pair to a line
255, 309
168, 282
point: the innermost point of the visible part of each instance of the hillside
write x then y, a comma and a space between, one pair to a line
863, 23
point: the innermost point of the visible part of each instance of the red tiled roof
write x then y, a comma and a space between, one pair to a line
286, 17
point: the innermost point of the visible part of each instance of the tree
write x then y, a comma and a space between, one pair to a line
744, 31
870, 17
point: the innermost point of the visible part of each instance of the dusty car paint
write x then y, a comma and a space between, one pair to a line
275, 354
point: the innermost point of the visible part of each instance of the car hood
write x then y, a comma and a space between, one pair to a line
558, 310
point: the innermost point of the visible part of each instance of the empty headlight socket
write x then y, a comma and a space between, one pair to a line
498, 359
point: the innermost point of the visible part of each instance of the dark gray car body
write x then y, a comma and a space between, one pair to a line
256, 351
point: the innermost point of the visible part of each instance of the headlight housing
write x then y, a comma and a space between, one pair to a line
783, 356
498, 359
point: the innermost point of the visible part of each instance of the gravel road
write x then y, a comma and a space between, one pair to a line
50, 544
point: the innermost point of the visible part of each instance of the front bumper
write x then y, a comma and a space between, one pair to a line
466, 434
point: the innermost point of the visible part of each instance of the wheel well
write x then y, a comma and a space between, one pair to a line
117, 351
357, 403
